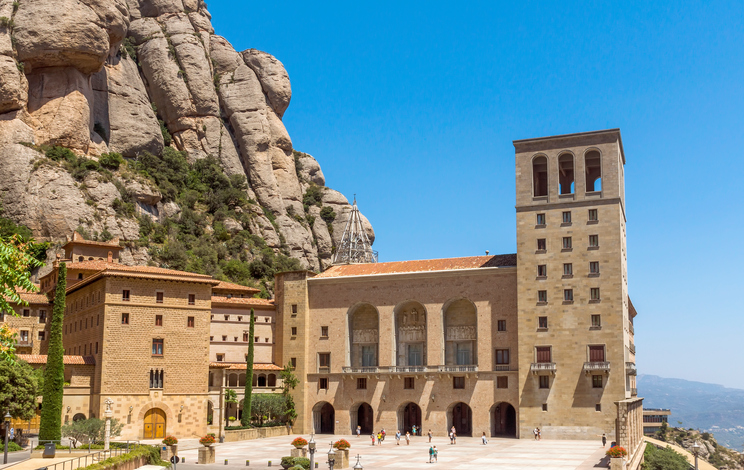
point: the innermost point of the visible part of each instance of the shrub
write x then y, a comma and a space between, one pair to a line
705, 436
299, 442
13, 447
58, 153
167, 139
170, 440
327, 214
301, 462
663, 459
616, 452
128, 45
111, 160
341, 444
313, 196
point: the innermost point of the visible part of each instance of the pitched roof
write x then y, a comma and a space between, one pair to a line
232, 287
34, 297
77, 239
424, 265
243, 366
247, 301
69, 360
105, 268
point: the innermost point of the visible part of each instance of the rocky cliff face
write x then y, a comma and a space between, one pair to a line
132, 76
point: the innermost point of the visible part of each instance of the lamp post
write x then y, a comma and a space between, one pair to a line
311, 449
695, 452
7, 432
358, 464
331, 457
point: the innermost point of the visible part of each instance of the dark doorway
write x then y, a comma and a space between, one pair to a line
462, 419
327, 419
364, 418
411, 417
504, 420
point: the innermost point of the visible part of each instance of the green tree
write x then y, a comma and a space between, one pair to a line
92, 430
230, 397
663, 459
268, 406
245, 420
289, 382
54, 374
20, 384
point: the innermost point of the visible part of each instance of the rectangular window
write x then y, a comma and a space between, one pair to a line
190, 322
227, 317
125, 295
324, 361
502, 356
246, 338
158, 320
41, 335
256, 339
568, 269
24, 336
26, 312
293, 361
220, 357
568, 295
409, 383
593, 215
294, 309
458, 382
159, 297
542, 354
156, 378
567, 244
541, 245
593, 241
124, 318
369, 356
157, 347
502, 382
415, 354
294, 331
544, 381
598, 406
323, 383
542, 270
545, 407
542, 323
594, 291
224, 337
542, 296
362, 383
96, 347
567, 217
594, 267
596, 354
192, 299
540, 219
501, 325
596, 321
324, 331
596, 381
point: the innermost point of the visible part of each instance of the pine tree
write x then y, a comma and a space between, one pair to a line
50, 428
245, 420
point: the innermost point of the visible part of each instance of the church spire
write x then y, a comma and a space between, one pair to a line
355, 247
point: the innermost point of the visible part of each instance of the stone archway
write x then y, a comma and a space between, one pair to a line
324, 418
461, 417
364, 418
409, 415
503, 420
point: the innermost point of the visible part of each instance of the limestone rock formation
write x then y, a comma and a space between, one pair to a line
96, 76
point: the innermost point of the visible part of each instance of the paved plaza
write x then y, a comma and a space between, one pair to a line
468, 453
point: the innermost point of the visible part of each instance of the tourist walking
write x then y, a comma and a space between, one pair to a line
414, 430
604, 439
534, 431
379, 438
429, 435
539, 434
452, 437
436, 453
397, 437
483, 438
431, 454
408, 438
373, 438
359, 431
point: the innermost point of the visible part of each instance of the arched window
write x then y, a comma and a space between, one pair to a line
261, 380
272, 380
363, 335
410, 334
81, 258
460, 333
593, 166
540, 176
566, 173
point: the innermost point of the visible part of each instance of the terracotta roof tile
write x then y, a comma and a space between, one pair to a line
232, 287
424, 265
247, 301
242, 366
69, 360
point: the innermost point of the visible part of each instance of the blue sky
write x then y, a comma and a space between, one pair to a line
414, 106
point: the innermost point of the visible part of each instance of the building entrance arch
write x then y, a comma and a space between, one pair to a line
461, 417
364, 418
324, 418
154, 424
408, 417
503, 420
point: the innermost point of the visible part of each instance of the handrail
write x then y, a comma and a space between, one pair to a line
93, 456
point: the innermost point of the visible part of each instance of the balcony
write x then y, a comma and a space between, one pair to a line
590, 367
634, 392
630, 328
543, 367
501, 367
630, 368
361, 370
631, 347
458, 368
411, 369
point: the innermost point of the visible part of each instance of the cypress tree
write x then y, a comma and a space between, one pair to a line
245, 420
54, 374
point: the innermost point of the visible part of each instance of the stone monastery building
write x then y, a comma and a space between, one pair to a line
497, 344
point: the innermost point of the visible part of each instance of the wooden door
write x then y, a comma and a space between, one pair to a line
154, 424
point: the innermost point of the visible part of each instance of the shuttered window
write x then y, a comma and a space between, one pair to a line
596, 354
543, 354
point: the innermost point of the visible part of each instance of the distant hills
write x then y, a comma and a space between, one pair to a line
708, 407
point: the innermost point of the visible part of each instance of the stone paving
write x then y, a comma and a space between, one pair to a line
468, 453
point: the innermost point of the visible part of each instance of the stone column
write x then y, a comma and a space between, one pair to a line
107, 414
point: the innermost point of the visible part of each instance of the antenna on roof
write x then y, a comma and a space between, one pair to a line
355, 247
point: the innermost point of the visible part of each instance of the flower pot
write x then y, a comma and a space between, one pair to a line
206, 455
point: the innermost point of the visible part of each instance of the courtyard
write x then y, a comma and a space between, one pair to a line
468, 453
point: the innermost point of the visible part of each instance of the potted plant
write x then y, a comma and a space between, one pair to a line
207, 440
341, 444
171, 447
206, 453
287, 462
342, 456
299, 443
617, 456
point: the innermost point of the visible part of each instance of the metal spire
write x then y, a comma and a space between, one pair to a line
355, 247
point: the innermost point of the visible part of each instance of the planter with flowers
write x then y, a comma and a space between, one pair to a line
169, 449
299, 447
342, 453
617, 456
206, 452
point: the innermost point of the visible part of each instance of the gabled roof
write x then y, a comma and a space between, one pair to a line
68, 360
246, 301
232, 287
424, 265
105, 268
243, 366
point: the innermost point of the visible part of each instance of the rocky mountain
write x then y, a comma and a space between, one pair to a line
707, 407
135, 78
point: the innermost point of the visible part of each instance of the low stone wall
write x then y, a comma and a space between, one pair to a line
254, 433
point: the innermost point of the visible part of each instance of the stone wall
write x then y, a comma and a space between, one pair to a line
255, 433
629, 429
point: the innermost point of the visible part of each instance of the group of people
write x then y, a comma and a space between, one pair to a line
537, 433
